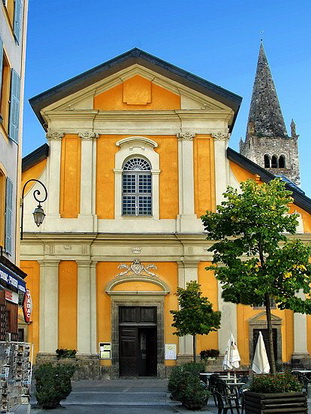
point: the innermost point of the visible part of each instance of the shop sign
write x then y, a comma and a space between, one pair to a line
12, 280
27, 306
11, 296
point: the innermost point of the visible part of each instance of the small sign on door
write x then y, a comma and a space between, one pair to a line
105, 350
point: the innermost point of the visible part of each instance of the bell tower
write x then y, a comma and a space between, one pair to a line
267, 142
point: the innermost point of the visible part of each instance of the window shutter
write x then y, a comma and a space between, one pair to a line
14, 106
17, 19
8, 215
1, 63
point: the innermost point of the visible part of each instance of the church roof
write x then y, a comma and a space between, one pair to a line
265, 116
134, 56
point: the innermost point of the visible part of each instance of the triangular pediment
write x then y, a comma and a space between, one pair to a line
191, 91
136, 88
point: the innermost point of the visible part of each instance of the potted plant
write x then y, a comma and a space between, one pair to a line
208, 355
65, 353
185, 386
281, 390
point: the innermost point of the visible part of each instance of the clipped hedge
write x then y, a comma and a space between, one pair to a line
53, 384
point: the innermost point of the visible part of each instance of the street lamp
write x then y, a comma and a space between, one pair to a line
38, 213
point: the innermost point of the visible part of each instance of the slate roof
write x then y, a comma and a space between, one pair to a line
265, 113
134, 56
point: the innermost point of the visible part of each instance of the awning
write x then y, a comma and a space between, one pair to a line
11, 279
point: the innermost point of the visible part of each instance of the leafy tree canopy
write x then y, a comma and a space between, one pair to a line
258, 260
196, 315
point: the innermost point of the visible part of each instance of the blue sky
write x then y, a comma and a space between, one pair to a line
215, 39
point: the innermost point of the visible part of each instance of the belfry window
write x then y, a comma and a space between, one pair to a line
282, 161
274, 163
267, 161
136, 188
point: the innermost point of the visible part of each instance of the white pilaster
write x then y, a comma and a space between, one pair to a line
88, 169
93, 326
48, 306
84, 307
300, 332
53, 200
221, 163
186, 272
228, 321
186, 217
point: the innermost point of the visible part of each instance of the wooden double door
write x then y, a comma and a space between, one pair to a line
138, 341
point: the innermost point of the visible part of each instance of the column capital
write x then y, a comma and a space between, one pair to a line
220, 136
88, 135
49, 262
54, 135
186, 135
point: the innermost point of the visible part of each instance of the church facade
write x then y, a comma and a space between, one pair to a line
137, 150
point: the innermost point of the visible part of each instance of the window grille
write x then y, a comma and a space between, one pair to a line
136, 188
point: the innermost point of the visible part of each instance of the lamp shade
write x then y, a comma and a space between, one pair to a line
38, 215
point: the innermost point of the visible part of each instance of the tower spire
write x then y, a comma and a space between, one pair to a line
265, 116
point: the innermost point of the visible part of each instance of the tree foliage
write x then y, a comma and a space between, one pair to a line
259, 262
196, 315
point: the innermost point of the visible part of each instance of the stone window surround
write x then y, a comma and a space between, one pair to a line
137, 146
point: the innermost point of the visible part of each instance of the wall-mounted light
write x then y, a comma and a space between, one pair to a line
38, 213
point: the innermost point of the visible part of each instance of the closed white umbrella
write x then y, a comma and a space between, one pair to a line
260, 362
232, 357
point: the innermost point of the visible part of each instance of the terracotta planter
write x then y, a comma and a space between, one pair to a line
259, 403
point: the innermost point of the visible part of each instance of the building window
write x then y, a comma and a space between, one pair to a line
2, 207
274, 163
282, 162
14, 10
137, 188
267, 161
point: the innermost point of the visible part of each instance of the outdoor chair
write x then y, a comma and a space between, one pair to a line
230, 396
224, 404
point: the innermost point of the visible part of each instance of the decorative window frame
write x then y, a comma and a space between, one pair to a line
131, 147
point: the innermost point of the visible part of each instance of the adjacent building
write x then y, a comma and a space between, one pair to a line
137, 150
13, 22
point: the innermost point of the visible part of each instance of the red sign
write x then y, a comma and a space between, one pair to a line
27, 306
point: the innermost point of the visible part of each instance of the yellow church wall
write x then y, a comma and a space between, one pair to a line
33, 172
245, 313
209, 288
241, 174
136, 93
306, 217
204, 174
168, 153
32, 268
67, 305
70, 173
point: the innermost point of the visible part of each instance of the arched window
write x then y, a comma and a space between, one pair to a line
267, 161
274, 163
136, 188
282, 161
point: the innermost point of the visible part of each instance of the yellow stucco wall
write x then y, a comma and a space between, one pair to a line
168, 154
70, 173
34, 172
32, 268
204, 174
67, 305
136, 93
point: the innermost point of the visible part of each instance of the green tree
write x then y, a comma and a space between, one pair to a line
259, 263
196, 315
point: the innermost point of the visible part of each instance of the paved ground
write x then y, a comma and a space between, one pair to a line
131, 396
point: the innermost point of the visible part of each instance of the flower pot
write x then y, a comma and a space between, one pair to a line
262, 403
